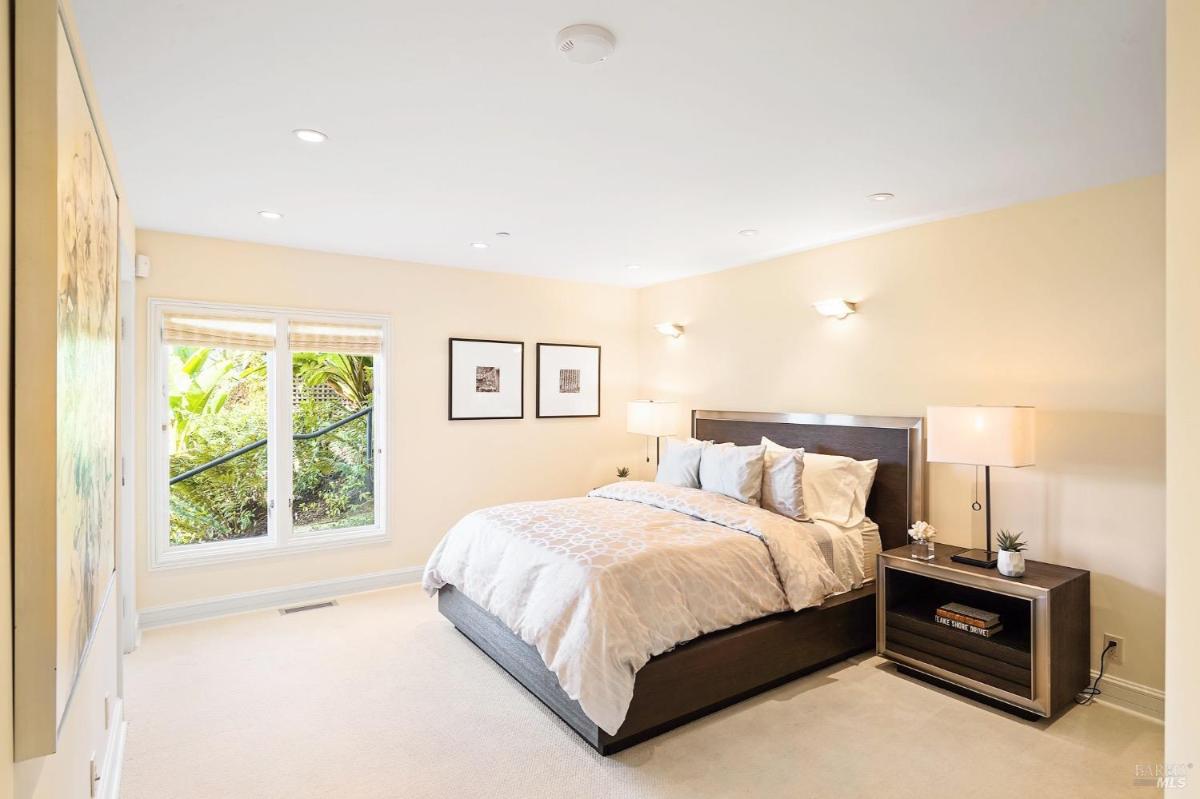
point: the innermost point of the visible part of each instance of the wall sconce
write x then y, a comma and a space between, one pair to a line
836, 307
669, 329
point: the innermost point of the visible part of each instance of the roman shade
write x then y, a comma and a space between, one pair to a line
335, 337
210, 330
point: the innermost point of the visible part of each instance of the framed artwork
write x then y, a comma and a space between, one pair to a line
568, 380
487, 379
65, 410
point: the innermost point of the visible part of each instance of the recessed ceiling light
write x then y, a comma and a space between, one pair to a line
504, 234
272, 215
309, 135
881, 196
479, 245
633, 266
748, 232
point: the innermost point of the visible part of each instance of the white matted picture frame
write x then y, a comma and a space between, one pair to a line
487, 379
568, 380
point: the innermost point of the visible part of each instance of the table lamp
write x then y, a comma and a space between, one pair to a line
984, 436
653, 418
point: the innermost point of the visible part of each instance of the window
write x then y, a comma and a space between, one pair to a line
269, 431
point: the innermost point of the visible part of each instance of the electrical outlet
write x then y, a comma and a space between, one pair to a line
1117, 653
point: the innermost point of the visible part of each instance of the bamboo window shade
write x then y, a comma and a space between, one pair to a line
346, 339
208, 330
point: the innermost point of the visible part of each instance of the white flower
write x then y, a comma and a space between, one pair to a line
922, 531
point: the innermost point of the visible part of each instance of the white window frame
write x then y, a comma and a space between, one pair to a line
280, 538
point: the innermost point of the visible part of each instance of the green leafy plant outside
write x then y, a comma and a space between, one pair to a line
218, 403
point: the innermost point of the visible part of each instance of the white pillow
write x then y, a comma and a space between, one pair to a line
782, 484
836, 488
733, 471
680, 462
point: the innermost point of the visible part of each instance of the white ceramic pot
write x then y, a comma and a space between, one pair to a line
1011, 564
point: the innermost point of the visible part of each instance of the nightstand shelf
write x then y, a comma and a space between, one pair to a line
1037, 663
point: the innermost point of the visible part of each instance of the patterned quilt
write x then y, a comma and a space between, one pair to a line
600, 584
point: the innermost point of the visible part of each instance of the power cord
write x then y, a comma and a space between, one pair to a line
1094, 691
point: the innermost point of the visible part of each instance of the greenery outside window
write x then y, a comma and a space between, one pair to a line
268, 432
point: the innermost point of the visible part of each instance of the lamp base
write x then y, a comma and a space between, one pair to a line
977, 557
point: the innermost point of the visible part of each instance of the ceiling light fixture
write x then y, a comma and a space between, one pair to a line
836, 307
672, 329
480, 245
503, 234
272, 215
309, 135
748, 232
881, 196
633, 266
585, 44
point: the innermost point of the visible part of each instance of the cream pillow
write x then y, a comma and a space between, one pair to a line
782, 483
836, 488
680, 462
736, 472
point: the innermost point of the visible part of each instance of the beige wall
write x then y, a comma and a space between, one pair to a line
1183, 384
1056, 303
438, 470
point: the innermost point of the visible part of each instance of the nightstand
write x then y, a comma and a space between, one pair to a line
1038, 663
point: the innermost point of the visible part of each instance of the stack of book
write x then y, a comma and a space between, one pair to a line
983, 623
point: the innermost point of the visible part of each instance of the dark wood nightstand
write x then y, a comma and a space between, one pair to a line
1038, 663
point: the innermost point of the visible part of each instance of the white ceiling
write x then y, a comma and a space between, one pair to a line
450, 120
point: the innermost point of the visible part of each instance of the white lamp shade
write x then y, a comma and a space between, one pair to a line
650, 418
981, 436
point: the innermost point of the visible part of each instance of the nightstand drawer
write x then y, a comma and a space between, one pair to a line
988, 648
964, 662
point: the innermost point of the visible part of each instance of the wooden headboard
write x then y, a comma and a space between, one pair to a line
897, 496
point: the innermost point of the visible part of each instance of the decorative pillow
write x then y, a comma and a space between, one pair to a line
679, 464
782, 483
836, 488
736, 472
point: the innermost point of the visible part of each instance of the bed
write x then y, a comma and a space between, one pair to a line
715, 669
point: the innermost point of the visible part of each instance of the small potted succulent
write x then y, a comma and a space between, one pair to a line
1012, 561
922, 535
623, 472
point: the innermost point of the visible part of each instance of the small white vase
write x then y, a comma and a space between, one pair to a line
1011, 564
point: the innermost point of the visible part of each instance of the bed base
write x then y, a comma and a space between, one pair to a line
694, 679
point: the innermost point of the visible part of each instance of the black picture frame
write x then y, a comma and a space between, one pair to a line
450, 379
538, 387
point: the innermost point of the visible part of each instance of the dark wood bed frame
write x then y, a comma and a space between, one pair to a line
727, 666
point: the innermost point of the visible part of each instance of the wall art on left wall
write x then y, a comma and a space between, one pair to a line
65, 381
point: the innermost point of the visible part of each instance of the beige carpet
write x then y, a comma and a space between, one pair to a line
380, 697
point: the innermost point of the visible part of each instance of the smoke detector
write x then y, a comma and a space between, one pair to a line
586, 44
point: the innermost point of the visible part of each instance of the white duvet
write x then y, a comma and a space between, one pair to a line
600, 584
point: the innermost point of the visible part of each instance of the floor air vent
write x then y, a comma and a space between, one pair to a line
314, 606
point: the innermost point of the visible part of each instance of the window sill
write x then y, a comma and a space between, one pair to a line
265, 547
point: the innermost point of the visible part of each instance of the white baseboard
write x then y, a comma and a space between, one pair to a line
274, 597
1131, 696
109, 786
